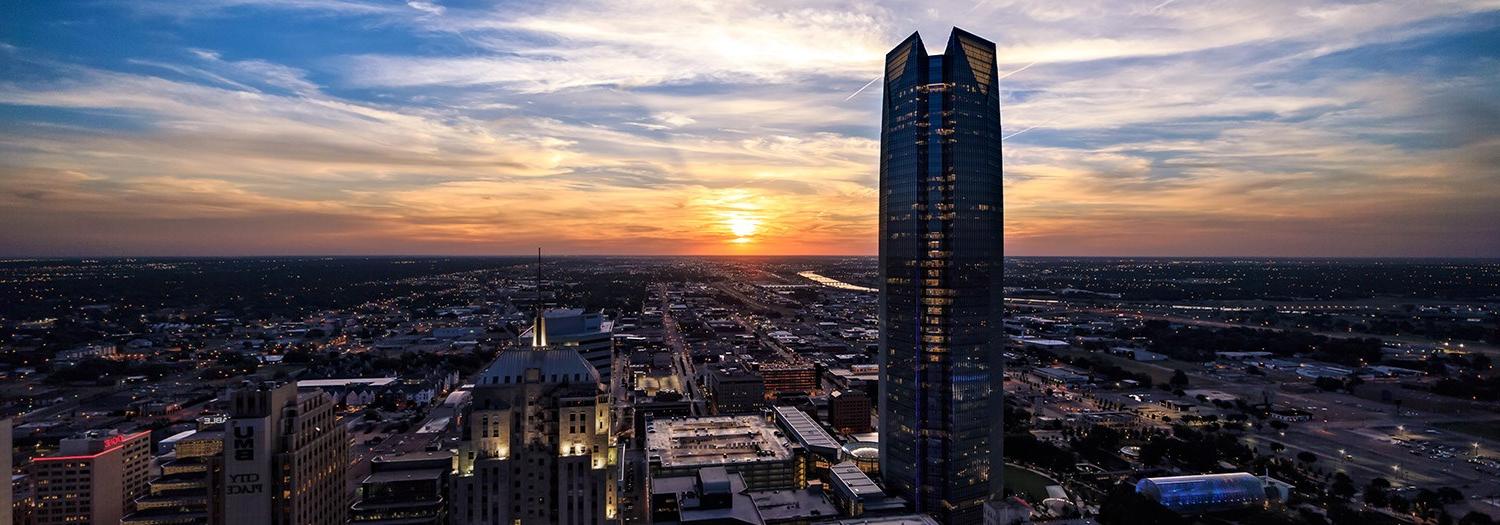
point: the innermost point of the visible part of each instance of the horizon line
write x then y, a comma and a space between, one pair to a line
18, 258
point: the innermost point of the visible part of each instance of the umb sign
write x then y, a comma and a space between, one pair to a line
242, 442
247, 471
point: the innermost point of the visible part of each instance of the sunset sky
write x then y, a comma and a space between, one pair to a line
1160, 127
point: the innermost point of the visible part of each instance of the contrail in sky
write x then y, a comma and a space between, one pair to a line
1027, 129
875, 80
1023, 68
862, 88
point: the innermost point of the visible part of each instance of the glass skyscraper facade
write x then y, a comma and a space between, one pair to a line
940, 260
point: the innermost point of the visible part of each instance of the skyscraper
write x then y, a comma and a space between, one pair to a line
590, 332
538, 443
285, 457
940, 264
94, 478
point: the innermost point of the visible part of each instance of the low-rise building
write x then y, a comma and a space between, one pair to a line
1208, 492
734, 389
405, 489
188, 490
708, 495
849, 411
1057, 376
745, 445
855, 493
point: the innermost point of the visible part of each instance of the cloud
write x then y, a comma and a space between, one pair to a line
1142, 127
551, 47
431, 8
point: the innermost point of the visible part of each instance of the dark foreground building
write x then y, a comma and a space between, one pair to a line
940, 257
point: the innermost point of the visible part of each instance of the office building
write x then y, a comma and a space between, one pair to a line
746, 445
849, 411
23, 501
789, 377
285, 457
94, 478
538, 444
190, 488
940, 265
734, 389
405, 489
587, 332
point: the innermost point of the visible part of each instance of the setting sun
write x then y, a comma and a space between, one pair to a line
742, 226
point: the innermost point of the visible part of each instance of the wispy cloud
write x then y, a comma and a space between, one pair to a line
653, 127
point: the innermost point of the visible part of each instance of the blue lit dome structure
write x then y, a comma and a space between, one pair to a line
1205, 492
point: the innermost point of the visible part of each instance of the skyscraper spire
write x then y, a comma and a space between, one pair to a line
539, 325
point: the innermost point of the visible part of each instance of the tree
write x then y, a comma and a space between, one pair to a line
1375, 492
1328, 384
1475, 517
1342, 487
1399, 504
1123, 506
1306, 457
1277, 447
1340, 514
1153, 451
1179, 379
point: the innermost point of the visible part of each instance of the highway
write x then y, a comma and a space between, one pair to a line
1137, 312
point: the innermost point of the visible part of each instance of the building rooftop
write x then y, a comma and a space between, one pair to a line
1060, 374
780, 506
767, 366
344, 383
555, 365
568, 324
1204, 492
731, 372
859, 484
392, 476
703, 441
914, 519
806, 431
713, 495
413, 458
